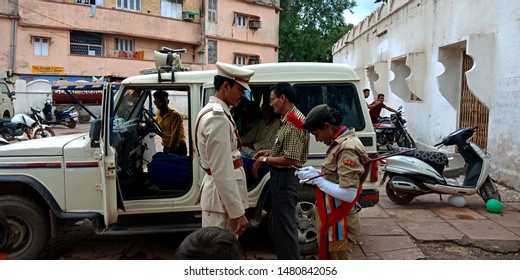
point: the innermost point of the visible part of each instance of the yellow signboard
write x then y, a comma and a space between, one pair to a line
39, 69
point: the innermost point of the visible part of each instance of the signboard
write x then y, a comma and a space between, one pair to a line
88, 93
39, 69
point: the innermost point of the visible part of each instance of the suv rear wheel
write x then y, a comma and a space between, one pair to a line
306, 221
28, 226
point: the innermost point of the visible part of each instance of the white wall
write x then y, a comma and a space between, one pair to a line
428, 37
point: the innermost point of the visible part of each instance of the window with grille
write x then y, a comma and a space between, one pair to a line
132, 5
240, 20
212, 52
212, 11
240, 60
126, 45
86, 43
171, 8
41, 46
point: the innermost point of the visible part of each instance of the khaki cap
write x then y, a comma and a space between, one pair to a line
239, 74
315, 119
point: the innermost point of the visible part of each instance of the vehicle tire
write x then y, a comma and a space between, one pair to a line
306, 222
28, 225
489, 190
397, 197
71, 124
43, 133
404, 139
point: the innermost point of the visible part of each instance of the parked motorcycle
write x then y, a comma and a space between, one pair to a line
420, 172
39, 130
390, 130
68, 117
17, 128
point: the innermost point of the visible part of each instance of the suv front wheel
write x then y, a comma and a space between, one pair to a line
27, 224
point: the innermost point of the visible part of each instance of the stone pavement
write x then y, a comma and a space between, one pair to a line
391, 232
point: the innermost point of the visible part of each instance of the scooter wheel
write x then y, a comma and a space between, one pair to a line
399, 198
71, 125
489, 191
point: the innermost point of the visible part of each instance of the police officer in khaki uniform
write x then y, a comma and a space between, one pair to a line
224, 191
344, 170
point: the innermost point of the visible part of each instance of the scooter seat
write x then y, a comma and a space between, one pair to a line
437, 160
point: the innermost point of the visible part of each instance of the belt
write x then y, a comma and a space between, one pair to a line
237, 163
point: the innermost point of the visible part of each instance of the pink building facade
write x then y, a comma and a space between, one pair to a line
114, 39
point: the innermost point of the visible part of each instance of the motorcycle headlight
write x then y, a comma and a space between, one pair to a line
378, 130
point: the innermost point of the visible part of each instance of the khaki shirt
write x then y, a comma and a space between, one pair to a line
225, 191
263, 134
347, 161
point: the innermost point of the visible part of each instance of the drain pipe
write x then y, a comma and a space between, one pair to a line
12, 49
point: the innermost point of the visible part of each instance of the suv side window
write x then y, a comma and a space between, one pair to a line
343, 97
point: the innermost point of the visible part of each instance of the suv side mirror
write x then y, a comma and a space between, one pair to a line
94, 133
11, 94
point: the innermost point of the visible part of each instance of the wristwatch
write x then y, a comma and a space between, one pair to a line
264, 160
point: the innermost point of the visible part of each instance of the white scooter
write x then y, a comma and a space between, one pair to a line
420, 172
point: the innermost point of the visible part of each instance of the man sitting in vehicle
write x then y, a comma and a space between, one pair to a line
171, 122
261, 136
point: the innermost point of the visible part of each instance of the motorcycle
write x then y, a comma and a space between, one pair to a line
390, 130
39, 130
68, 117
17, 128
420, 172
24, 127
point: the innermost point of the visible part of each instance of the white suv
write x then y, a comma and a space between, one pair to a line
114, 177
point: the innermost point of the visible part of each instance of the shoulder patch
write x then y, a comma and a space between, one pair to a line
217, 109
349, 162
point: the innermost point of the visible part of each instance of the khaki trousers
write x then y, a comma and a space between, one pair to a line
342, 249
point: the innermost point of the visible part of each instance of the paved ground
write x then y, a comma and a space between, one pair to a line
427, 228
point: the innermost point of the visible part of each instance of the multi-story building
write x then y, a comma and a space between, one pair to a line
112, 39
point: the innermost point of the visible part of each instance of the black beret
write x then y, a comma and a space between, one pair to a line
316, 117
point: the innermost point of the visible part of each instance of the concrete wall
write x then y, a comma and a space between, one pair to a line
415, 47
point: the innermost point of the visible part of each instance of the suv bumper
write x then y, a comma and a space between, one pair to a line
368, 198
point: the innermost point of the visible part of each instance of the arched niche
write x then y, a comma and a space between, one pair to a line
449, 82
400, 73
416, 62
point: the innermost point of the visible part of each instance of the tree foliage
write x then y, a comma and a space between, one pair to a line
309, 28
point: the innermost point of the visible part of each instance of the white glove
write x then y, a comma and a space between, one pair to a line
333, 189
306, 173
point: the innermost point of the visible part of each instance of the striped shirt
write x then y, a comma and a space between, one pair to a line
291, 142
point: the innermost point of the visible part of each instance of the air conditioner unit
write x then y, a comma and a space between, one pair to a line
188, 16
166, 50
255, 24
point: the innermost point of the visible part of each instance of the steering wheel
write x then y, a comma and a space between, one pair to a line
152, 124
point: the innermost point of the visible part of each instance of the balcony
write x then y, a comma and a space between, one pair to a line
55, 15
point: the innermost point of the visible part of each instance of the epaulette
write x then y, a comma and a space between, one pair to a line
217, 109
